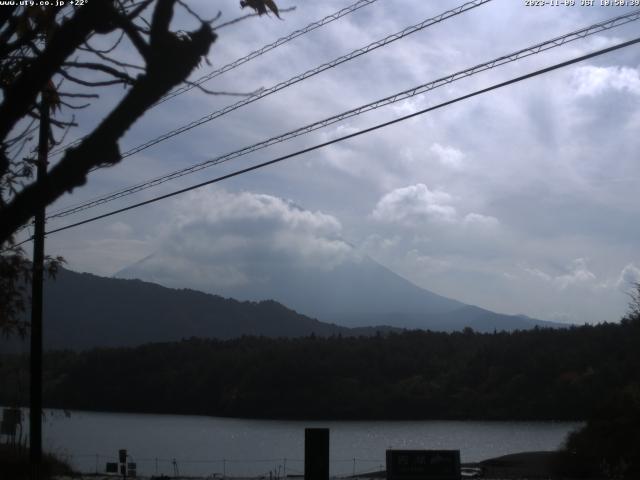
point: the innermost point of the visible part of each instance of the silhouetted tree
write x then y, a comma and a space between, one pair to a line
633, 313
49, 52
609, 444
564, 374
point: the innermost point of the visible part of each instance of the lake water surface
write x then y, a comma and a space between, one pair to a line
240, 447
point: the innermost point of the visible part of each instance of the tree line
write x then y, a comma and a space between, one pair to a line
540, 374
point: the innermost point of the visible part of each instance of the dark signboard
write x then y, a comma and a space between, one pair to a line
423, 464
122, 456
111, 467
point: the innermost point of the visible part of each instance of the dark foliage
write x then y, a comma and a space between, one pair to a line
48, 63
14, 464
37, 44
609, 444
634, 304
37, 57
15, 278
537, 374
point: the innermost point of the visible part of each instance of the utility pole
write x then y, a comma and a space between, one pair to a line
35, 406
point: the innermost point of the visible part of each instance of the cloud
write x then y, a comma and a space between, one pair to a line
414, 204
417, 204
101, 256
376, 242
426, 263
629, 276
578, 274
448, 156
218, 239
120, 229
592, 81
245, 210
482, 221
233, 224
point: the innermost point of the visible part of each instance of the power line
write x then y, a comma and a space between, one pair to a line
420, 89
306, 75
310, 73
240, 61
355, 134
256, 53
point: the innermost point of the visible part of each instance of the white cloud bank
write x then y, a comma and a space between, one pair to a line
219, 225
414, 204
578, 274
592, 81
221, 239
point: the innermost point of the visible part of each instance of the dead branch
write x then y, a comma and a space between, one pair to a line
88, 83
170, 59
21, 94
101, 68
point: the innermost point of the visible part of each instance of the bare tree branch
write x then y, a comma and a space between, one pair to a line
91, 49
134, 35
21, 94
75, 107
78, 95
171, 60
89, 83
216, 92
116, 62
102, 68
36, 49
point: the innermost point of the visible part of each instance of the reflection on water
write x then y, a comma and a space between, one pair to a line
240, 447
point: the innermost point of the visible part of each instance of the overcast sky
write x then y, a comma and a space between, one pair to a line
522, 200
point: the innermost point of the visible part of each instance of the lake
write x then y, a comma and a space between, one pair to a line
239, 447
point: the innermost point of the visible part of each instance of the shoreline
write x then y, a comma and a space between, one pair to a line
71, 411
515, 466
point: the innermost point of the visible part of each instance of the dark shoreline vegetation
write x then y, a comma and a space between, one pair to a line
580, 373
540, 374
14, 464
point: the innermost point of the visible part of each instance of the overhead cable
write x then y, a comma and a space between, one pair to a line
240, 61
306, 75
261, 51
420, 89
352, 135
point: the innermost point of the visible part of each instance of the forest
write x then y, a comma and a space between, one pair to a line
550, 374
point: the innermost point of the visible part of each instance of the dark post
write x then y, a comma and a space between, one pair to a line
316, 454
35, 407
122, 457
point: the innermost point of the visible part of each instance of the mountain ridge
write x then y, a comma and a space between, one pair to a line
358, 292
83, 311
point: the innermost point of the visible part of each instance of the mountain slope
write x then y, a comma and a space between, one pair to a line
355, 293
83, 311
